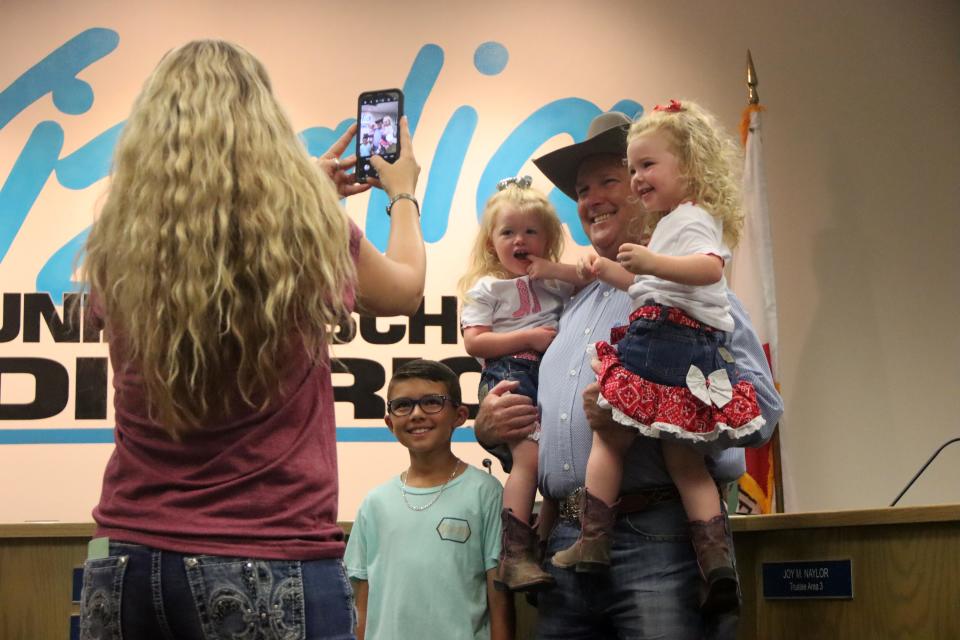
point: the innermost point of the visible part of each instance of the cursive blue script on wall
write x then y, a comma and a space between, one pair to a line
56, 75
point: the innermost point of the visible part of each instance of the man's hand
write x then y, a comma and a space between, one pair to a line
504, 417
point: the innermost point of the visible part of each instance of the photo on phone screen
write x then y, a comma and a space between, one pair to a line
378, 129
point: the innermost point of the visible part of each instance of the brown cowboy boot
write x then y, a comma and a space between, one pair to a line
544, 524
714, 548
519, 570
591, 552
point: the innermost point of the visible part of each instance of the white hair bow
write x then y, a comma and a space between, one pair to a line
713, 389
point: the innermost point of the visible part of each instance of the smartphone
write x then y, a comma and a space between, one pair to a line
378, 129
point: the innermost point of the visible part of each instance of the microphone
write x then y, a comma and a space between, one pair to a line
922, 469
488, 464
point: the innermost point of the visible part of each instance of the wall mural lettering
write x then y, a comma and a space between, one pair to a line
53, 305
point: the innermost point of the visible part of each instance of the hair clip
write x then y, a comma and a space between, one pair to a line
673, 107
521, 182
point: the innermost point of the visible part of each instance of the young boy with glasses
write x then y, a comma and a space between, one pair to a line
423, 551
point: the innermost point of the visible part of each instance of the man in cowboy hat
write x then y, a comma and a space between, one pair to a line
653, 586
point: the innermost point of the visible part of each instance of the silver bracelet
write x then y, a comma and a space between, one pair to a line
403, 196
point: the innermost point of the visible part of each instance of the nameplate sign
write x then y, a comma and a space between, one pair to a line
813, 579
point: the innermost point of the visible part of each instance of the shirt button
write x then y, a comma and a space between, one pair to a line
563, 416
587, 331
606, 294
566, 467
573, 372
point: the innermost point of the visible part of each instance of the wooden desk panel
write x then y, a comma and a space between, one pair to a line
36, 570
906, 574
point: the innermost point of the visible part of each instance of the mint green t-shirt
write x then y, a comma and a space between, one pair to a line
426, 570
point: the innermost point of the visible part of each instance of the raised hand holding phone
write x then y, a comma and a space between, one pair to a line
336, 169
400, 176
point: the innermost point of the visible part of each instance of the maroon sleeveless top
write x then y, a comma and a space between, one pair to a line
262, 484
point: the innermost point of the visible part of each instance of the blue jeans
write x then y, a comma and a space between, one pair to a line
662, 352
526, 372
147, 594
651, 590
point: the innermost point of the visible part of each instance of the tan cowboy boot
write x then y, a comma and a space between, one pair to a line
714, 548
591, 552
519, 570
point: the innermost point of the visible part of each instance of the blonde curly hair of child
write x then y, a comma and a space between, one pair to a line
709, 159
483, 258
221, 245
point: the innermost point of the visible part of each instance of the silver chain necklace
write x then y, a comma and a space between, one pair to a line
403, 489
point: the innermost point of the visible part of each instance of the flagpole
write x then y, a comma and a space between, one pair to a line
753, 98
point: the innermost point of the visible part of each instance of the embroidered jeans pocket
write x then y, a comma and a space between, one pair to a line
243, 599
100, 603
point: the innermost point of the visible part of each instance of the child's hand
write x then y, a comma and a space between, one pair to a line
636, 258
586, 269
604, 268
541, 337
540, 268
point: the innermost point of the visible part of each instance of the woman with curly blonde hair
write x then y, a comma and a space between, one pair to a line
221, 265
670, 375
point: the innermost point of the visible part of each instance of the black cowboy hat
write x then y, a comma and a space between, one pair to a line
607, 134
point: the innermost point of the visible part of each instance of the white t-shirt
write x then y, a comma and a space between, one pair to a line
688, 230
517, 303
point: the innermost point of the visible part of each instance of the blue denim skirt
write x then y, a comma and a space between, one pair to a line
524, 370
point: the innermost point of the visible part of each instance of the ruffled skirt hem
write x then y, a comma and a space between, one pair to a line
663, 411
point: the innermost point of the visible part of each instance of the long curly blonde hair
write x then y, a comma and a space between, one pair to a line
221, 246
709, 159
483, 258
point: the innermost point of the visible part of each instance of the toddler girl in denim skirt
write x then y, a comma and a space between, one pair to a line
669, 375
513, 294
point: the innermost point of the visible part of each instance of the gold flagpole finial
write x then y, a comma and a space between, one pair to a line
753, 97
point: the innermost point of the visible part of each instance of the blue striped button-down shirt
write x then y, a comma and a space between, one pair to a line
565, 371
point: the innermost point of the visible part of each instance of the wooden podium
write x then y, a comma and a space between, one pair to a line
905, 566
37, 563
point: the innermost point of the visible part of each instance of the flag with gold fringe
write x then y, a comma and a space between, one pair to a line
752, 280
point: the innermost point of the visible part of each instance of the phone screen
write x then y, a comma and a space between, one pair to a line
378, 115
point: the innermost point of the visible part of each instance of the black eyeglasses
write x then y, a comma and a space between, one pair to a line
432, 403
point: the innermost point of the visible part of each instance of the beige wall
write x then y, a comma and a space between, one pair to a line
861, 152
862, 167
862, 170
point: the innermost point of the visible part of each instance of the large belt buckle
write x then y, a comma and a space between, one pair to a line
571, 506
663, 494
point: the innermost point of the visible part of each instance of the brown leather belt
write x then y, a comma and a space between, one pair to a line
570, 508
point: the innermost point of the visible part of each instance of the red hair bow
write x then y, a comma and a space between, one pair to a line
673, 107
